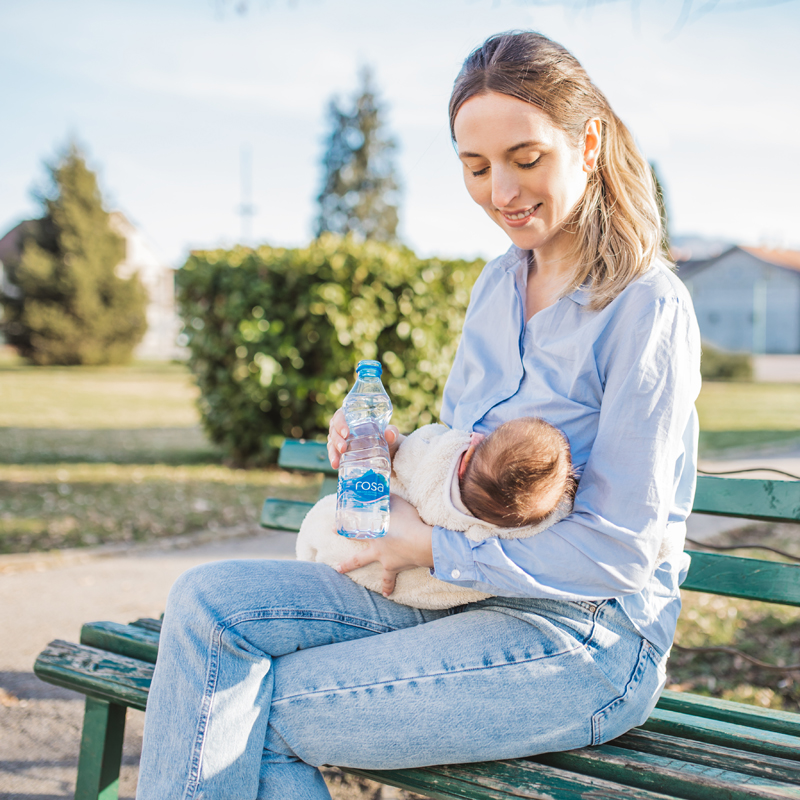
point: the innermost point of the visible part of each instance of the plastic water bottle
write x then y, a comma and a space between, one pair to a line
362, 498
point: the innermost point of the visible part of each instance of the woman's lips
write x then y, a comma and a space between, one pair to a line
519, 218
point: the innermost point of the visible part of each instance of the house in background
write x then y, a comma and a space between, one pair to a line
747, 299
157, 277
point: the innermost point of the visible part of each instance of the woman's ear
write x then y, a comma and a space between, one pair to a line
591, 146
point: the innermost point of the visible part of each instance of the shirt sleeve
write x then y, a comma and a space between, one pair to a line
608, 546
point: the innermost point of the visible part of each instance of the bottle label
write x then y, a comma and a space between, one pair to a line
366, 488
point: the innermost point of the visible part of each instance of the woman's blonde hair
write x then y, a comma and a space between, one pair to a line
617, 223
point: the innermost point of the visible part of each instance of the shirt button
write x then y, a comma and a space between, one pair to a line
455, 574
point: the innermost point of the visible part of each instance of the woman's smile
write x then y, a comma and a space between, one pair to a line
516, 219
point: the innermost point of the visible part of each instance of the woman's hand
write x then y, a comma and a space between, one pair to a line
407, 544
337, 433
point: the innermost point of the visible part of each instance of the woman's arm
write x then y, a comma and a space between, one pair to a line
609, 545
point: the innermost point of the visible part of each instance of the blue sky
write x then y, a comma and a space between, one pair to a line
164, 94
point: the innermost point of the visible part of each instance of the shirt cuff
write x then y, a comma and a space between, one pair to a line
452, 556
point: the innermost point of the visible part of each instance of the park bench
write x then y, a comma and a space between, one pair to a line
692, 747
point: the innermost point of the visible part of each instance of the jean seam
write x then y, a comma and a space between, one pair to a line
644, 654
205, 711
293, 613
595, 614
481, 668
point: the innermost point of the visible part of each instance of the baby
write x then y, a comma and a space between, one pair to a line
511, 484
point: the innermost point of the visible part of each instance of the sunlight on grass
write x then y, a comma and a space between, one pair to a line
142, 396
94, 445
73, 505
749, 407
737, 415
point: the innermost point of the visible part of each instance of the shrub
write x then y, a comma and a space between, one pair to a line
274, 335
719, 365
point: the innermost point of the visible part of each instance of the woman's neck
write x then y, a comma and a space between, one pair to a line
547, 280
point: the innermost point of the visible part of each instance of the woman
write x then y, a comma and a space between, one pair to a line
268, 669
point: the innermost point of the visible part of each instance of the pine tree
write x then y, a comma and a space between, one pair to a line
359, 187
64, 303
661, 199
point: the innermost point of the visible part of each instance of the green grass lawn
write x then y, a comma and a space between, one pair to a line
117, 454
735, 415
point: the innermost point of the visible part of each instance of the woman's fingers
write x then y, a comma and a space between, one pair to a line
393, 438
388, 580
361, 559
337, 434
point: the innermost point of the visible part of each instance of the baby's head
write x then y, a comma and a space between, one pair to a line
518, 474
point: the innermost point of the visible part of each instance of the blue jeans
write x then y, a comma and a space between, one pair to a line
268, 669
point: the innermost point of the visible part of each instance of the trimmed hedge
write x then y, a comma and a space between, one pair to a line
720, 365
275, 334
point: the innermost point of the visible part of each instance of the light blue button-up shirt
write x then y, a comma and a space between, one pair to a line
621, 383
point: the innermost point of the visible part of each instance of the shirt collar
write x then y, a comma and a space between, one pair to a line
517, 260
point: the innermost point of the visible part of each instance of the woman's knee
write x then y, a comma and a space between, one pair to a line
225, 587
202, 587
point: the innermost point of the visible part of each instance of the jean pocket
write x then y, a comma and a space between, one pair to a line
634, 705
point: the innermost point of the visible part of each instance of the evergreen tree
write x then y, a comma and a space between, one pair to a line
64, 303
662, 207
359, 187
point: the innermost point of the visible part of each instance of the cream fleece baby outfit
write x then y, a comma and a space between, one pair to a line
425, 474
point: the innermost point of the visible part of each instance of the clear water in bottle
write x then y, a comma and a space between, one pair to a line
362, 503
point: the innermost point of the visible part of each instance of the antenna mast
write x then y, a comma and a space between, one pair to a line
246, 209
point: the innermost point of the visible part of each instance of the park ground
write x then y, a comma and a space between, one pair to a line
109, 489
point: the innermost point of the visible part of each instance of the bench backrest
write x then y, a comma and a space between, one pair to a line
733, 576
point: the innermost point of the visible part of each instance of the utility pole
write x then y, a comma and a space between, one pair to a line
246, 208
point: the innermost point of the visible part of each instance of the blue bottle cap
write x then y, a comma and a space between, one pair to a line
369, 369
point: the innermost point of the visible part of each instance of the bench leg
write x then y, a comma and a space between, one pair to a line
101, 751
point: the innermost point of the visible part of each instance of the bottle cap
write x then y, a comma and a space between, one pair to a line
370, 369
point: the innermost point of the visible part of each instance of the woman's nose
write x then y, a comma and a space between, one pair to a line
505, 187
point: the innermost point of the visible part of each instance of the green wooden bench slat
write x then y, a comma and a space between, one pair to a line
715, 755
748, 578
148, 623
768, 719
113, 678
283, 515
712, 731
310, 456
747, 497
127, 640
330, 485
667, 774
499, 780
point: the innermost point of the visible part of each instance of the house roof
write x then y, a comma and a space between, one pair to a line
786, 259
780, 258
11, 243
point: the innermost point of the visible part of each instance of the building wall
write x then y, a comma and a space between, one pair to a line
163, 324
746, 305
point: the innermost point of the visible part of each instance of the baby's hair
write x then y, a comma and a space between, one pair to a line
518, 475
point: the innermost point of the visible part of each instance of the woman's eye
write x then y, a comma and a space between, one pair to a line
532, 164
478, 173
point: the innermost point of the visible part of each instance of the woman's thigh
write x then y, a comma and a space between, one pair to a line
500, 679
277, 607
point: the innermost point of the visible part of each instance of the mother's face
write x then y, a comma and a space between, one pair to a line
522, 169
